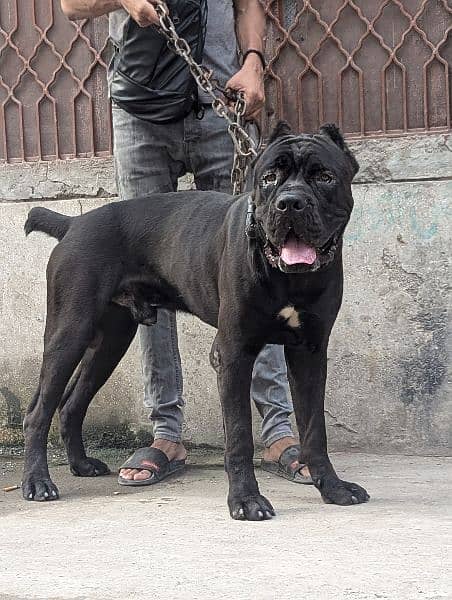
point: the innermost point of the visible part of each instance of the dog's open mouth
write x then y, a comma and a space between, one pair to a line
296, 255
294, 251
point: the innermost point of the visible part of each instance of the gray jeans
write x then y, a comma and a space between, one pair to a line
150, 158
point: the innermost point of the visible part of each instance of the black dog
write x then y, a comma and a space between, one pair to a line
262, 268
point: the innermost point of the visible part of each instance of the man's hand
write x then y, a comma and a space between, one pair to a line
250, 81
141, 11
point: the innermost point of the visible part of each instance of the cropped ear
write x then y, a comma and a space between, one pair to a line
281, 128
334, 133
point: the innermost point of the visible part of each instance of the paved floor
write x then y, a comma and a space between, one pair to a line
176, 541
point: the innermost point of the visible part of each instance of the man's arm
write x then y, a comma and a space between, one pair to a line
251, 27
141, 11
84, 9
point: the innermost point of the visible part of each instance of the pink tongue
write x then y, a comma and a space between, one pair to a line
295, 251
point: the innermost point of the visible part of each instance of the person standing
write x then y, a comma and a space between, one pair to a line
150, 157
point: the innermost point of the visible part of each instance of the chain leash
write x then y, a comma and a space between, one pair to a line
244, 146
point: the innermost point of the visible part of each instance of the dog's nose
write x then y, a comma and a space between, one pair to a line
288, 203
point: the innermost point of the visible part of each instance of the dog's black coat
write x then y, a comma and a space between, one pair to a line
189, 251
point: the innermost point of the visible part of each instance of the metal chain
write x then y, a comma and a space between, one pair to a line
241, 162
244, 146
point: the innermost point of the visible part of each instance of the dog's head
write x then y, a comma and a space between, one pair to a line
302, 197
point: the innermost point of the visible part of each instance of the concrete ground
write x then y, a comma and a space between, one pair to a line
176, 540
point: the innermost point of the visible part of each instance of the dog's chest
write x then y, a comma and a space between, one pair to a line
287, 326
290, 316
294, 326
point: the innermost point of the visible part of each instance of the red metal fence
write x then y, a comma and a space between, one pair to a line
373, 66
376, 67
53, 92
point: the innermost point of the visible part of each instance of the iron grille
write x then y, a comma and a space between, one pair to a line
376, 67
53, 92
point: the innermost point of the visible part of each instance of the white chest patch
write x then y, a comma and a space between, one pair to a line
290, 315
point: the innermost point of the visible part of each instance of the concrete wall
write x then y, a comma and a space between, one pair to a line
388, 385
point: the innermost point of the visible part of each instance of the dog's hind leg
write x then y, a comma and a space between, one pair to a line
115, 333
66, 340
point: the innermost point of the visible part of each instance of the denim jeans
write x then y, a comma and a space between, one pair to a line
150, 158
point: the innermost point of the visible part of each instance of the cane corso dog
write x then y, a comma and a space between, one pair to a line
264, 267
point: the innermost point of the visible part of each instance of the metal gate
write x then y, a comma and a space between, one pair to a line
53, 92
376, 67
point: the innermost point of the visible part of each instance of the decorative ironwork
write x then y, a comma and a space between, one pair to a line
376, 67
53, 92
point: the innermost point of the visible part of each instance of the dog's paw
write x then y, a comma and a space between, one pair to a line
251, 508
39, 490
341, 492
89, 467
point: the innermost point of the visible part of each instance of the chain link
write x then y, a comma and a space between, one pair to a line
244, 146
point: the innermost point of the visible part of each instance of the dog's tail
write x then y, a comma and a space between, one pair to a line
47, 221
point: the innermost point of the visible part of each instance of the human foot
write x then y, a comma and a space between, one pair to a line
174, 451
282, 459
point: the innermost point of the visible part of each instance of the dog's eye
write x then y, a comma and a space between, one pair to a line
269, 178
324, 177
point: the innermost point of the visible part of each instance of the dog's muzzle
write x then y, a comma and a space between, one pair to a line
294, 255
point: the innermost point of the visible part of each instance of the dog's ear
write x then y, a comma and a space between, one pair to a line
281, 128
334, 133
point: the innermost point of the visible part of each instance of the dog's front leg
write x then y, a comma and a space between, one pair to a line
234, 366
307, 369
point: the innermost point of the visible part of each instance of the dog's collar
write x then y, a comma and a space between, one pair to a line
253, 229
250, 223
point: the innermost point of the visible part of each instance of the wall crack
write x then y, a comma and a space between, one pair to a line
338, 423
